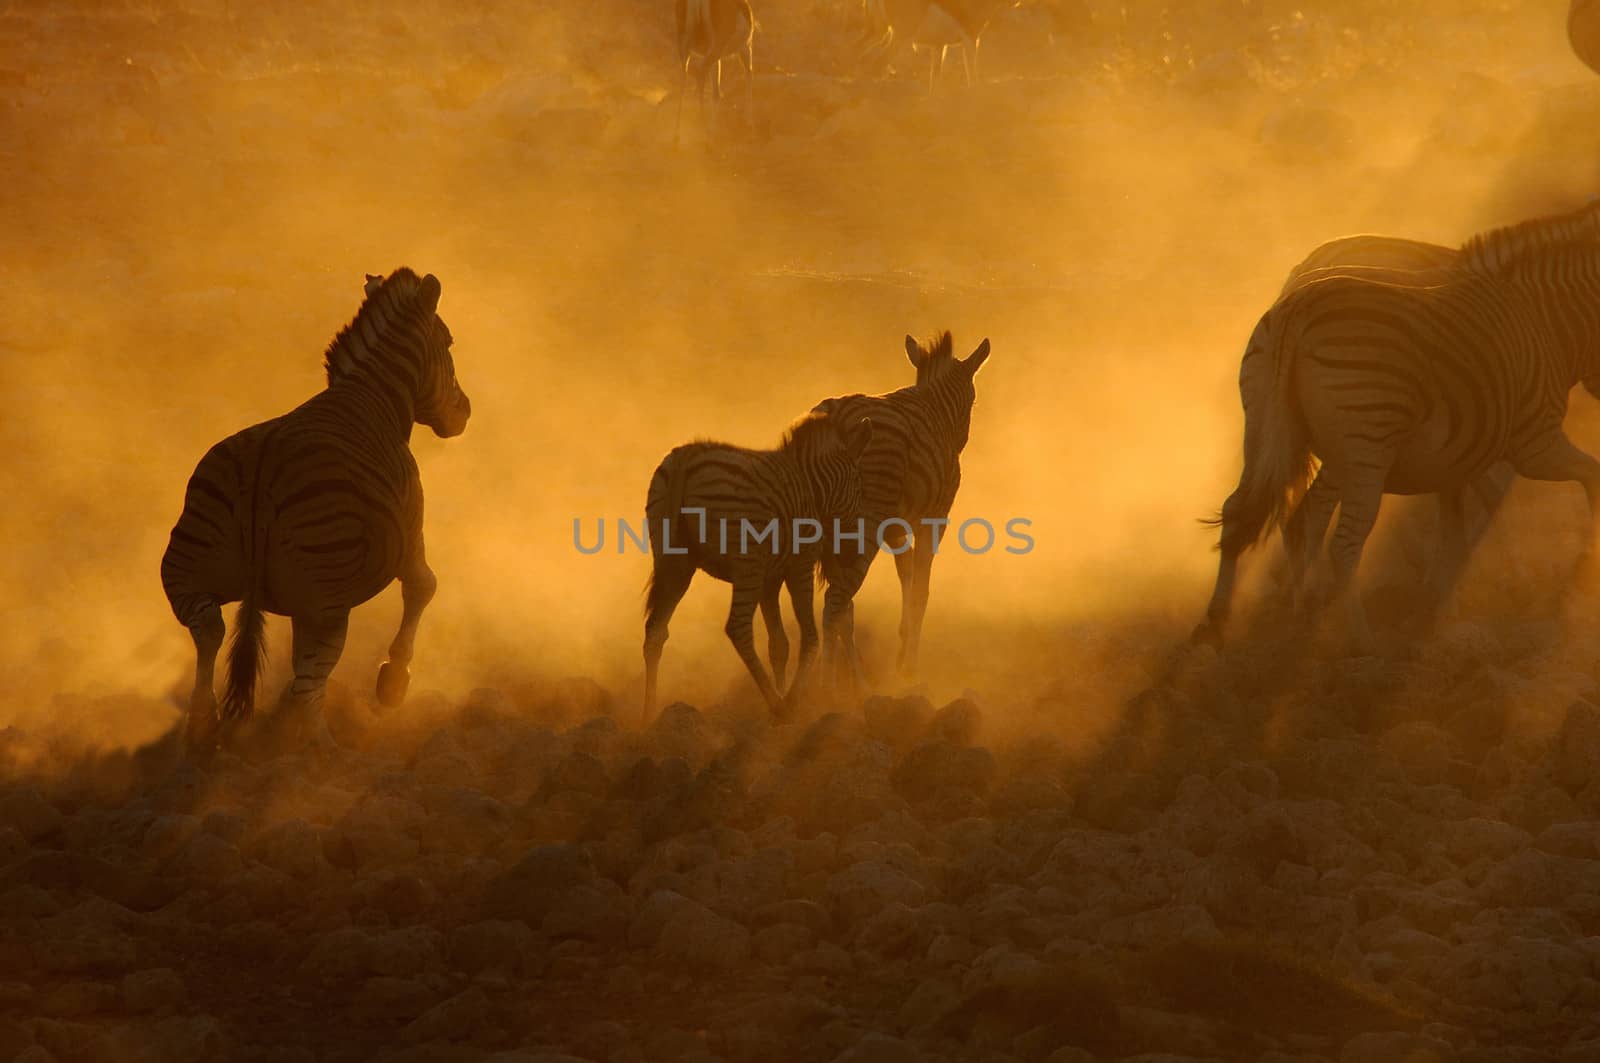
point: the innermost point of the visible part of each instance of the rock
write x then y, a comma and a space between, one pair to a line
1576, 756
159, 989
1580, 840
653, 916
930, 1001
540, 881
1264, 838
339, 957
878, 1048
937, 765
775, 944
1159, 927
1396, 1047
293, 847
405, 953
703, 940
491, 945
896, 722
861, 890
958, 723
187, 1039
455, 1019
29, 814
577, 772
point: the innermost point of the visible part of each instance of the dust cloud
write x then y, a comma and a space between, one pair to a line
196, 190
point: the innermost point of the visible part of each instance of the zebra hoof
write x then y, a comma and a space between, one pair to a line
1206, 634
393, 681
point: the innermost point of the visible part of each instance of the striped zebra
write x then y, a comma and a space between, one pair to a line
909, 474
714, 30
736, 514
312, 513
1417, 264
1409, 390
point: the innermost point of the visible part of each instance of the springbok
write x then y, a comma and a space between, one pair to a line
931, 24
714, 30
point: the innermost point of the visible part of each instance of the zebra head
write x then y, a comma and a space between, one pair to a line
947, 380
830, 457
398, 338
441, 404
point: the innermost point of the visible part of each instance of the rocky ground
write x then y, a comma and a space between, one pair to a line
1107, 850
527, 875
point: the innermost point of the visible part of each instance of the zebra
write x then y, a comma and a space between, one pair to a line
312, 513
1410, 390
909, 476
747, 507
1416, 263
934, 24
714, 30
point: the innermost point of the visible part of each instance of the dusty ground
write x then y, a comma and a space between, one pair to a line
1069, 842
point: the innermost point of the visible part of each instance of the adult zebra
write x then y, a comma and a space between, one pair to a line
312, 513
909, 477
747, 508
1410, 390
1417, 264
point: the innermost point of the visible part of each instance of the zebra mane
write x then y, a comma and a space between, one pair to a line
812, 427
357, 341
1555, 261
1497, 250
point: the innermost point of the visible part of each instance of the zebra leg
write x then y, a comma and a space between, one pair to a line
922, 569
845, 576
740, 631
801, 591
1561, 460
969, 60
1358, 512
895, 541
1303, 536
207, 630
416, 591
777, 640
1453, 550
716, 80
669, 581
318, 644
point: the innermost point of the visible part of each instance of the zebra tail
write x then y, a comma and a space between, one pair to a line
1278, 459
663, 514
246, 656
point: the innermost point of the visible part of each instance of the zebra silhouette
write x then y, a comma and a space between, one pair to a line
312, 513
1409, 391
909, 473
1414, 263
731, 512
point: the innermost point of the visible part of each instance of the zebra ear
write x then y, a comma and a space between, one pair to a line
914, 352
428, 294
374, 282
974, 361
856, 440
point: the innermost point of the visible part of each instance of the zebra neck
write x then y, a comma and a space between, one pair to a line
387, 398
1570, 311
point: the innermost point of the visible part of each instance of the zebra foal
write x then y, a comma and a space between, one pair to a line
910, 473
736, 514
1410, 390
312, 513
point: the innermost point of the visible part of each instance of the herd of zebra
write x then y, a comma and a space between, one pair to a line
313, 513
1384, 366
715, 30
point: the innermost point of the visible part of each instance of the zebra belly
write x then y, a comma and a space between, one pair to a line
347, 562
